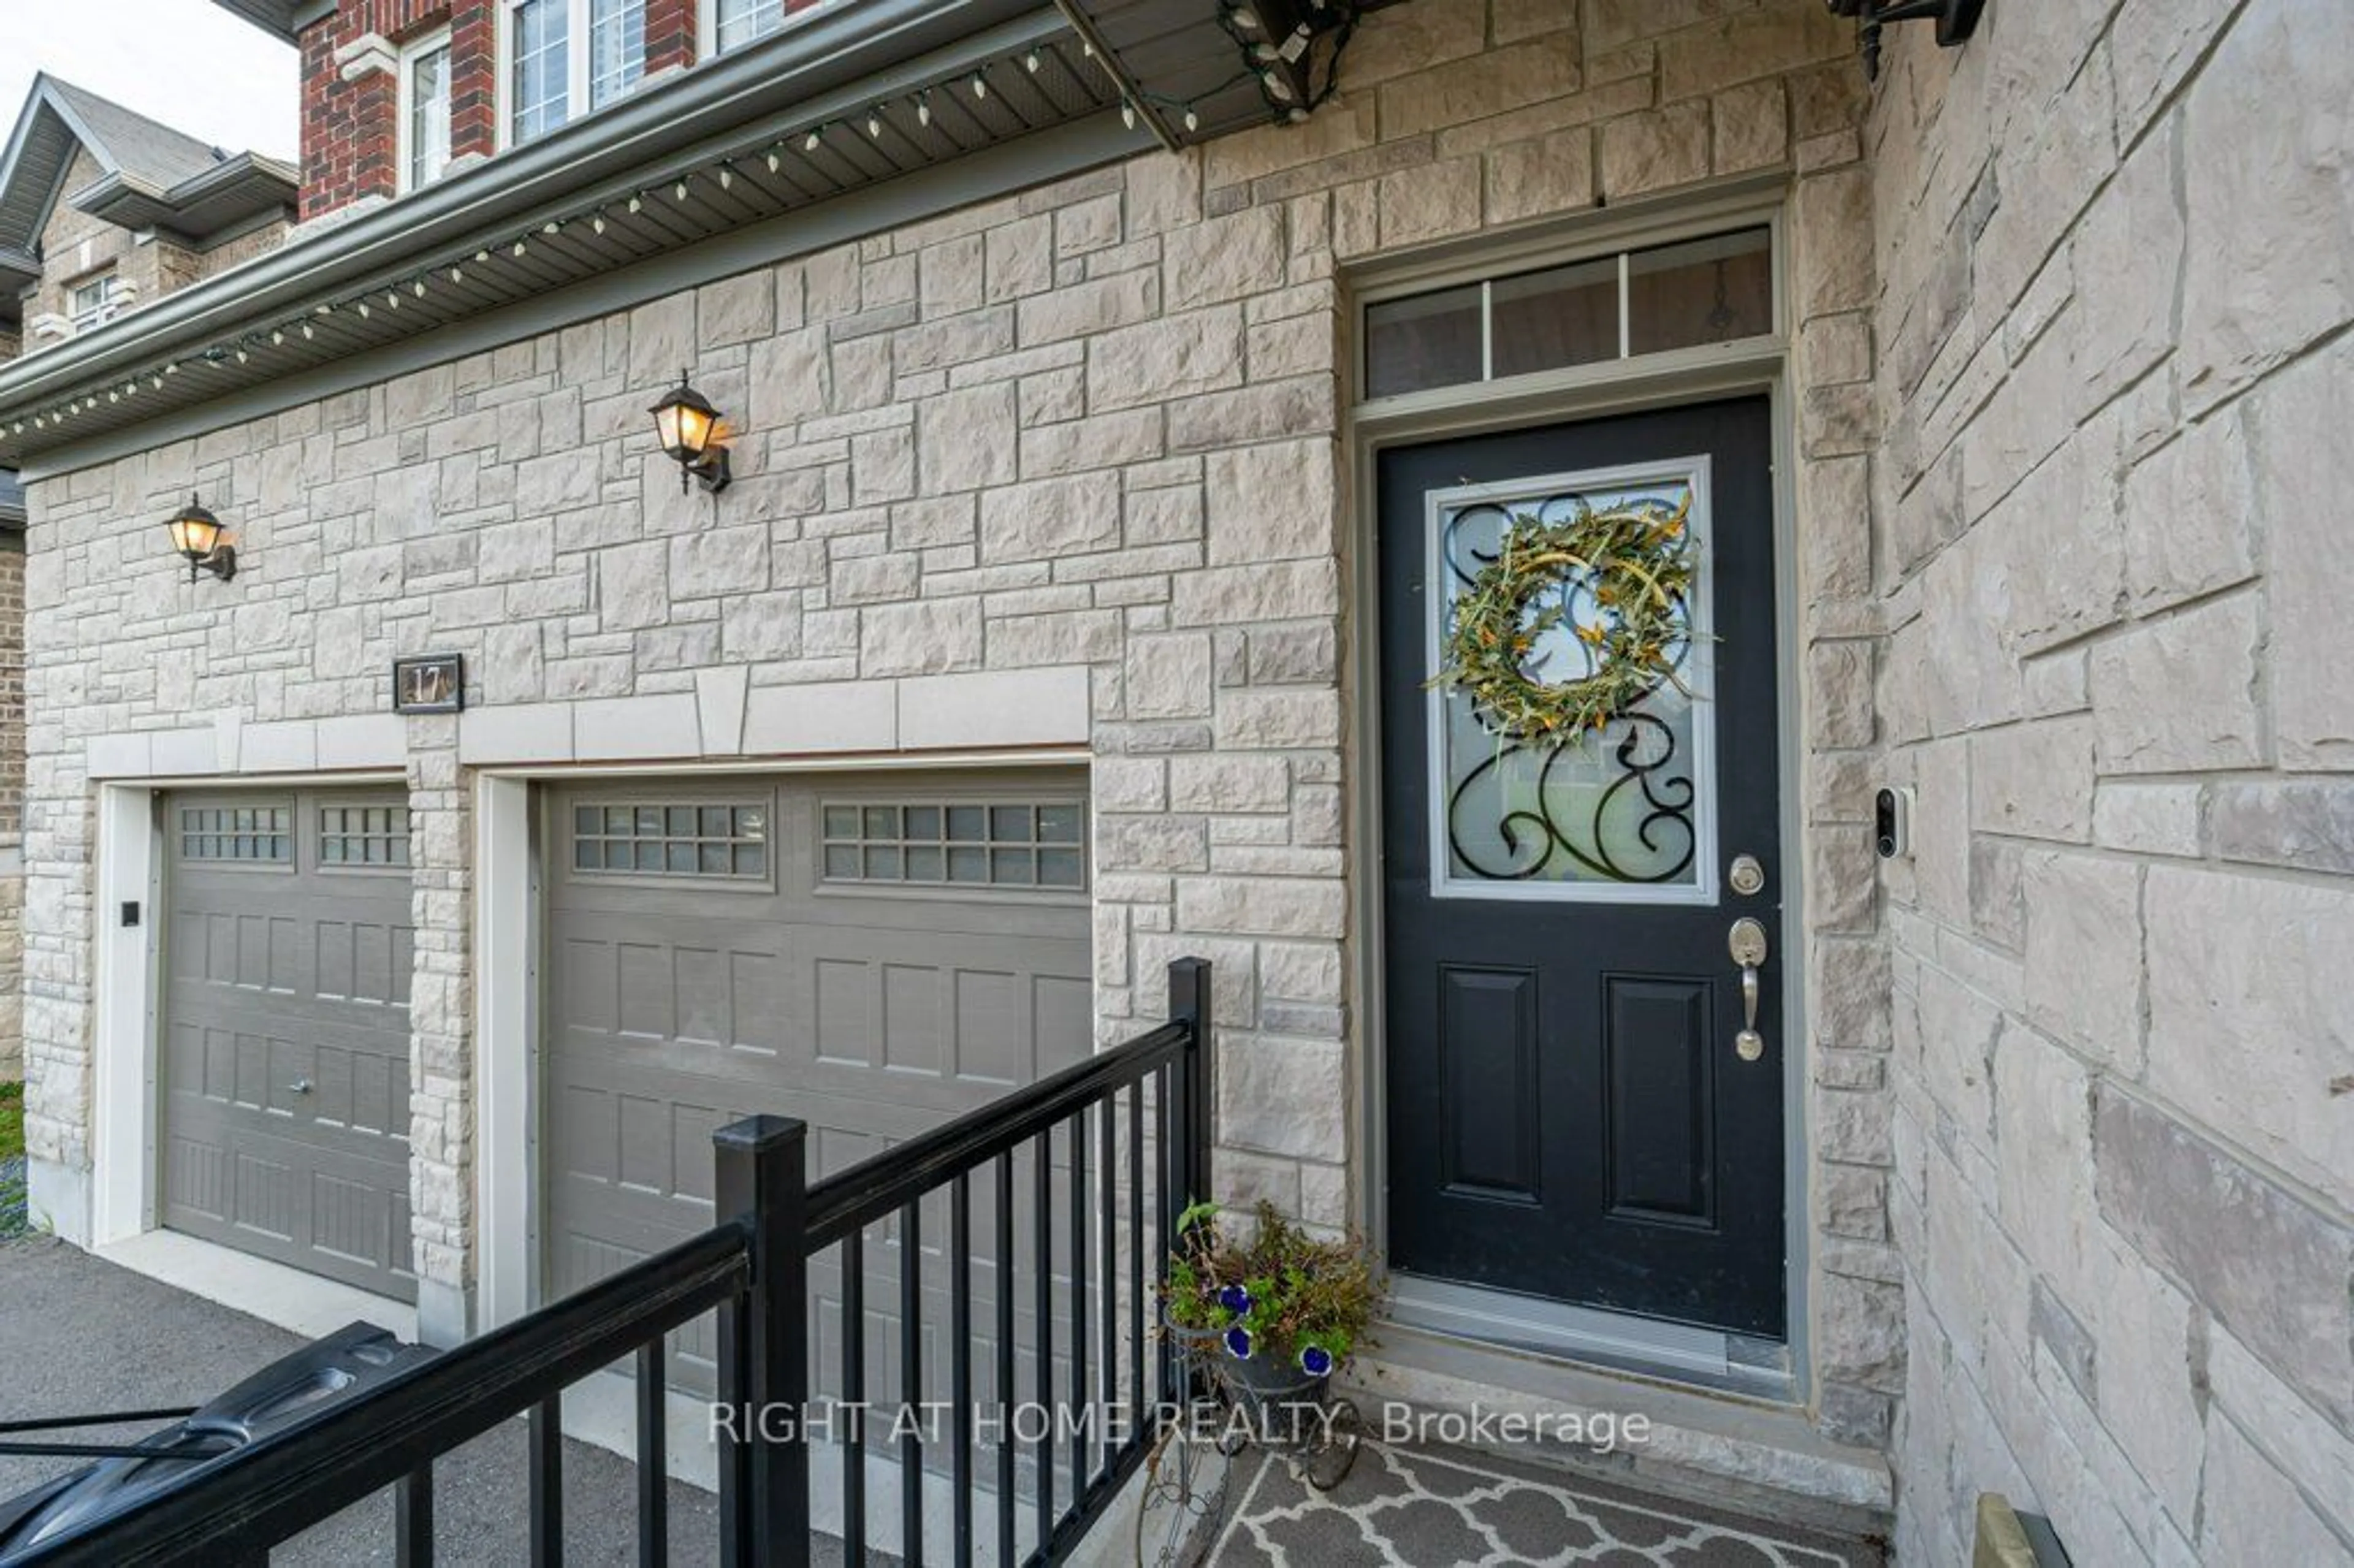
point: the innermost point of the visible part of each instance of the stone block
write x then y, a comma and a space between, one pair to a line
2178, 694
1284, 1096
1485, 84
1271, 502
736, 310
965, 440
2270, 196
1169, 676
828, 716
1752, 128
1198, 351
1001, 707
919, 638
2249, 1030
1541, 177
2301, 420
1229, 783
1430, 201
1280, 590
1083, 310
2190, 516
2083, 953
1262, 905
2252, 1513
718, 561
1656, 150
2304, 824
2277, 1274
1050, 517
1224, 259
2034, 779
2150, 1395
2043, 1139
2127, 258
1271, 720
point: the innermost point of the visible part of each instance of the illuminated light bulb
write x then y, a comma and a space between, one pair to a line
457, 275
243, 356
1030, 62
636, 204
279, 337
597, 223
307, 332
1192, 121
1278, 86
775, 163
678, 191
874, 126
1128, 114
418, 288
520, 248
980, 85
810, 142
363, 310
1247, 19
484, 254
726, 178
326, 310
924, 112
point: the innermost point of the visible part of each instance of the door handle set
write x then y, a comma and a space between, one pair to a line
1747, 943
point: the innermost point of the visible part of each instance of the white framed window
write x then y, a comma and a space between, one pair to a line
566, 58
425, 111
739, 22
94, 302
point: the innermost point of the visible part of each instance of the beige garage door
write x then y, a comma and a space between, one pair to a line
287, 949
874, 955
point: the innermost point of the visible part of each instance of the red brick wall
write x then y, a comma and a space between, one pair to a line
351, 132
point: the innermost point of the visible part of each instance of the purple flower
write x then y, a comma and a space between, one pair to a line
1235, 1299
1315, 1361
1238, 1343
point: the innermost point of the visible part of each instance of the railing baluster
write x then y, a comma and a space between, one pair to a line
1042, 1260
1005, 1402
1164, 1111
1136, 1247
412, 1519
545, 1444
1079, 1406
960, 1361
1108, 1294
853, 1397
654, 1453
911, 1382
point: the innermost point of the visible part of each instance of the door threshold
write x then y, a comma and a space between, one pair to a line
1711, 1358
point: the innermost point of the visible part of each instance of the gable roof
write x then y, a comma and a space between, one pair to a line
149, 176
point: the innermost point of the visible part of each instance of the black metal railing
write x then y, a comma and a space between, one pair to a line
1130, 1130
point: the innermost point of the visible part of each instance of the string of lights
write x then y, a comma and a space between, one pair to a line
720, 175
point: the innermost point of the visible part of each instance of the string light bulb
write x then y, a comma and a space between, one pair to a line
980, 85
874, 125
924, 110
810, 142
1192, 121
1127, 114
1030, 62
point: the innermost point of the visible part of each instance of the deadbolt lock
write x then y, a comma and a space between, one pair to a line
1746, 876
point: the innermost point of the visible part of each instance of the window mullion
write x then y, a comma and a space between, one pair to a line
575, 58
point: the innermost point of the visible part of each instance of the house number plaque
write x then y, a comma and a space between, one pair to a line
429, 683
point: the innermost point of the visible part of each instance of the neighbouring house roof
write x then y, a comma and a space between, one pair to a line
152, 176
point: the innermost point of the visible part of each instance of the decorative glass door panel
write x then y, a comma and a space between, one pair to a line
1626, 813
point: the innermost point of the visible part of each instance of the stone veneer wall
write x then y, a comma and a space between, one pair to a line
12, 809
2118, 247
1095, 424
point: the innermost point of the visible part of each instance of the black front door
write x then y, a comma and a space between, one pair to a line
1569, 1113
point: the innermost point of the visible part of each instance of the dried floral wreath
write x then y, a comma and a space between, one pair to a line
1636, 561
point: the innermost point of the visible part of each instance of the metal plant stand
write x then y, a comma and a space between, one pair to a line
1231, 1406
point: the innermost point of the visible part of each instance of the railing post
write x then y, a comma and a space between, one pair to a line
1189, 1002
761, 1183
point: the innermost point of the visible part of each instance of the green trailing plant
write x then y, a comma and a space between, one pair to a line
1283, 1296
1637, 563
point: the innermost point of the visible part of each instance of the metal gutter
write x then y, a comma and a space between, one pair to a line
742, 99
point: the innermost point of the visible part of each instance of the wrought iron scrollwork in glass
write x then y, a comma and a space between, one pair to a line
1619, 806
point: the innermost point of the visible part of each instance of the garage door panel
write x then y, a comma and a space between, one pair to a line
285, 1094
678, 1003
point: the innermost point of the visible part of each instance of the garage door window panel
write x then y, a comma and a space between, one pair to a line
714, 841
995, 845
363, 838
253, 837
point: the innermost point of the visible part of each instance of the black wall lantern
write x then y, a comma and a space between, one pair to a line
689, 430
196, 534
1955, 19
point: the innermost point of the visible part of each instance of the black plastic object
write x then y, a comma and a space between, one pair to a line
345, 1364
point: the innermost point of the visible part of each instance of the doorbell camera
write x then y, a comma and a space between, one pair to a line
1891, 822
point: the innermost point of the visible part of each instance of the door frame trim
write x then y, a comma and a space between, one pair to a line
1622, 386
507, 947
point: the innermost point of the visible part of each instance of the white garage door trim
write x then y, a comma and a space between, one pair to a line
116, 1213
507, 944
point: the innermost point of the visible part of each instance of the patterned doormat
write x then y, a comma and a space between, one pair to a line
1424, 1510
